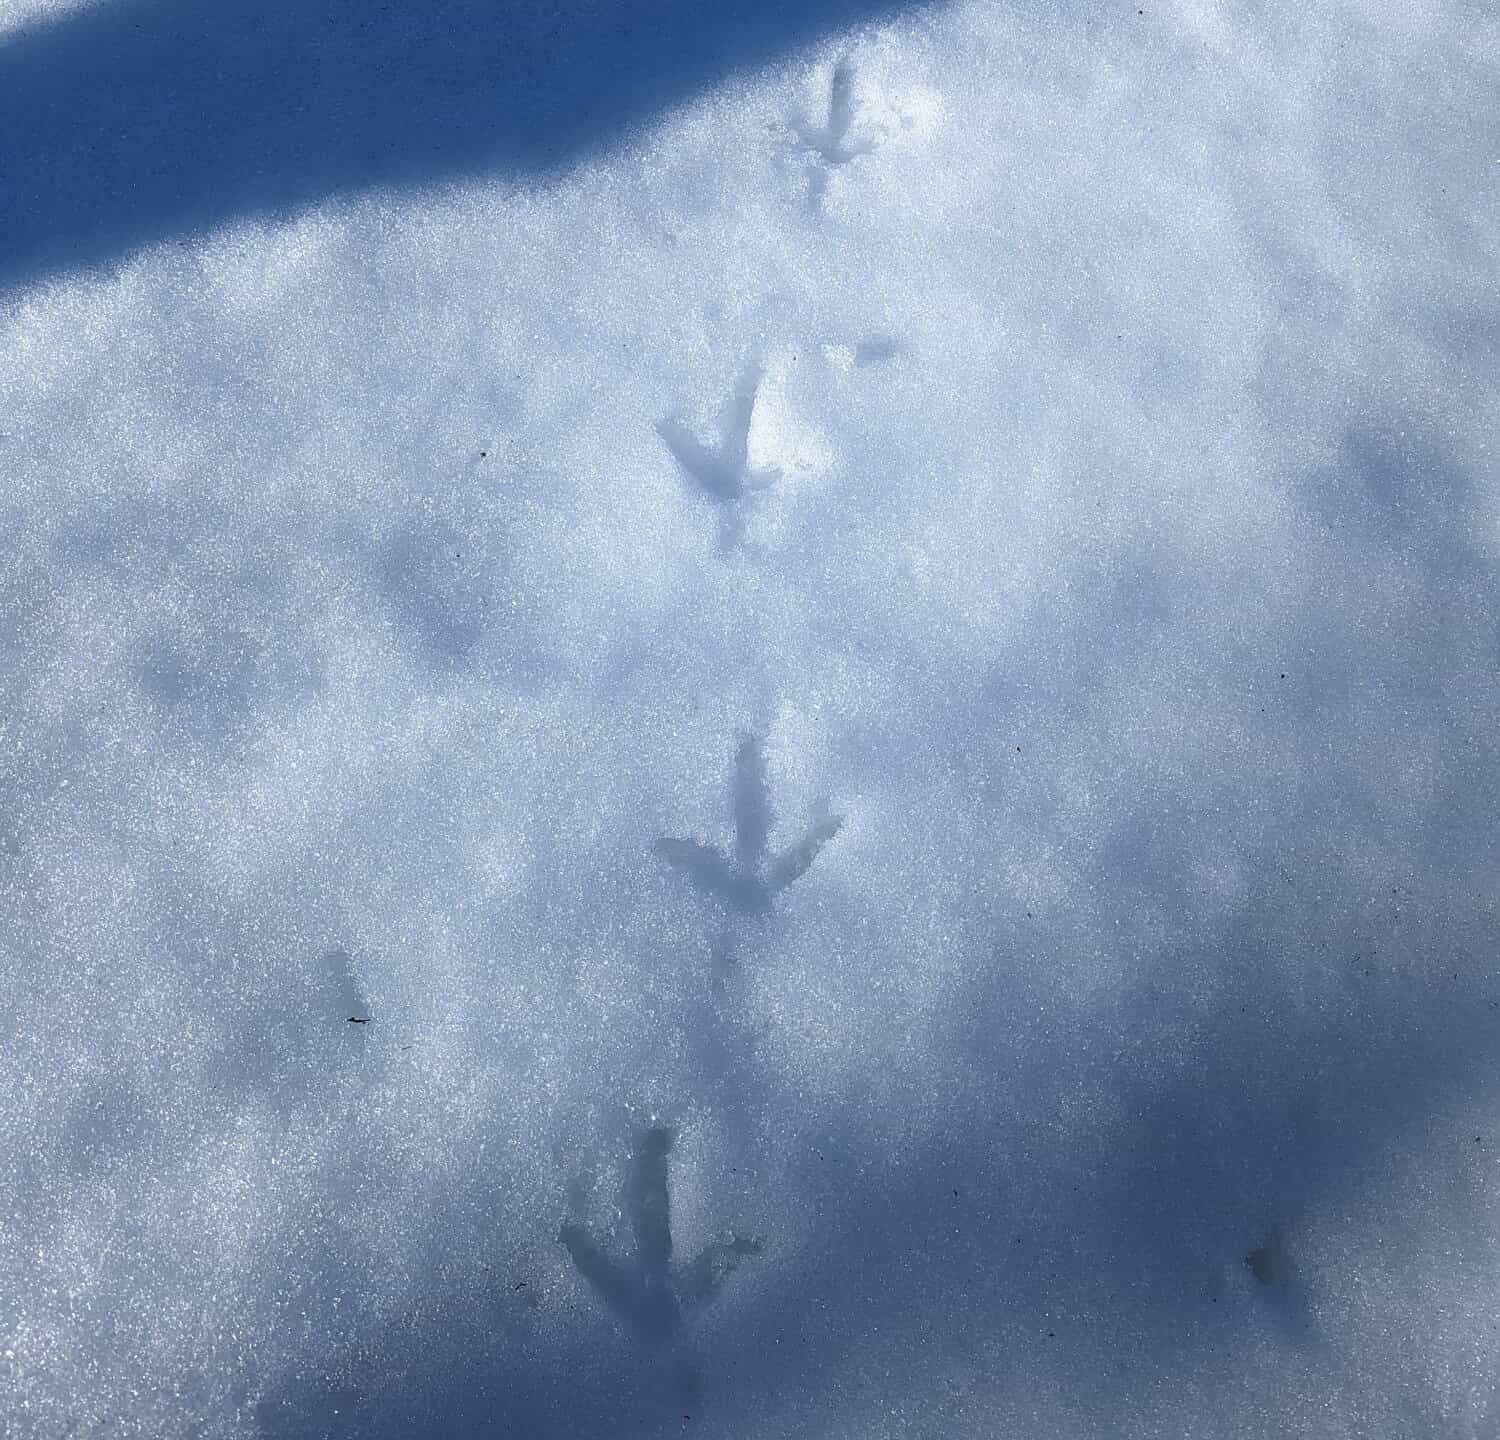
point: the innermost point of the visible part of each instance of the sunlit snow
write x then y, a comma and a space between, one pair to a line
753, 720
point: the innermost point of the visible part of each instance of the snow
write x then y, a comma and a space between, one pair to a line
864, 646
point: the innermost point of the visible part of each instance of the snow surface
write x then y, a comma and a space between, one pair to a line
866, 641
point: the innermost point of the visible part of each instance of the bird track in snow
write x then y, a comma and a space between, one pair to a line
650, 1296
746, 876
724, 475
831, 142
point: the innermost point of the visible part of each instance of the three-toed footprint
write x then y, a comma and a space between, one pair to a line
746, 876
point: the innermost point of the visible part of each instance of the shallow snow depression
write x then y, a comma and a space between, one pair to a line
824, 766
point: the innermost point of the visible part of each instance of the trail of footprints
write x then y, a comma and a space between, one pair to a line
650, 1297
721, 471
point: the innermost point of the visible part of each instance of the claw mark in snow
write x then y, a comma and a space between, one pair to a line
725, 475
747, 877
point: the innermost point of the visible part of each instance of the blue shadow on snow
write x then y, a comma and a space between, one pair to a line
132, 122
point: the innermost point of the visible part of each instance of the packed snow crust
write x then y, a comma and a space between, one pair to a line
1027, 473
